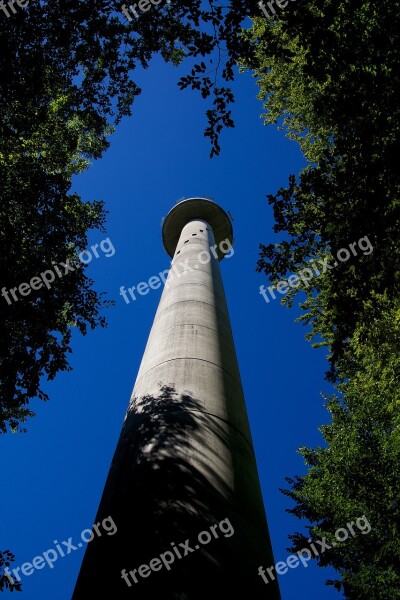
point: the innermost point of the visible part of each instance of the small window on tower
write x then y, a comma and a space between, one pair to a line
178, 252
201, 230
186, 241
194, 233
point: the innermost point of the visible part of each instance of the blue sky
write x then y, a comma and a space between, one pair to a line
53, 476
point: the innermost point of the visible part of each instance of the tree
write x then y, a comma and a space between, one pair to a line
328, 75
67, 75
356, 473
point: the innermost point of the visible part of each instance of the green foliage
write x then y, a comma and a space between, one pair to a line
289, 91
36, 331
357, 473
67, 82
92, 54
329, 76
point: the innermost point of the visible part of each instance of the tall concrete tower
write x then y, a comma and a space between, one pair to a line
183, 487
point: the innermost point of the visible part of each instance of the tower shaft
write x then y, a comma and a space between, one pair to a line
185, 462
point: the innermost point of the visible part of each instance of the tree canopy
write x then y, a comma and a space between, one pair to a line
68, 81
329, 76
356, 472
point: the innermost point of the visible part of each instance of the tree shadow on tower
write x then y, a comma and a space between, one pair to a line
167, 483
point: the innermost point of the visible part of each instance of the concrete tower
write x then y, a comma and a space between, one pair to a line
183, 487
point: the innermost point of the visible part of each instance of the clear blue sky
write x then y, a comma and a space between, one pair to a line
53, 476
